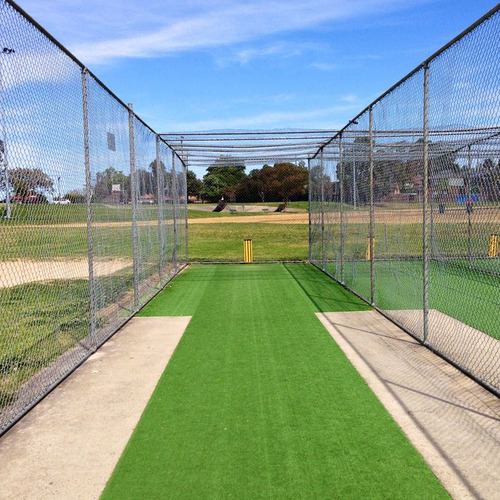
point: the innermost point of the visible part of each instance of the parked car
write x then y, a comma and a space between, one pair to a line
62, 202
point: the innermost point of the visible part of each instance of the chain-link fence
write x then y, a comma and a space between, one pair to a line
405, 202
93, 213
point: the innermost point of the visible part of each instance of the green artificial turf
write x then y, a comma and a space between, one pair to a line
259, 402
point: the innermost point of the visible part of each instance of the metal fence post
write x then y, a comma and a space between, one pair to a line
342, 236
425, 206
185, 169
133, 192
88, 196
160, 194
323, 250
372, 213
468, 200
175, 197
310, 198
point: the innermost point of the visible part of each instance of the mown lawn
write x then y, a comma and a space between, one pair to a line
224, 242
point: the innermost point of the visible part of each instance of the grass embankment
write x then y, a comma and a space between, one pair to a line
41, 321
259, 402
466, 294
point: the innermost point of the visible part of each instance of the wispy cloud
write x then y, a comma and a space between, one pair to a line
333, 115
154, 30
352, 98
278, 50
323, 66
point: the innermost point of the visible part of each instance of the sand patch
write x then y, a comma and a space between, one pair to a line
20, 272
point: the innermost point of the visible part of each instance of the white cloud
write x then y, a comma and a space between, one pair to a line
350, 98
120, 29
21, 68
281, 50
333, 116
326, 66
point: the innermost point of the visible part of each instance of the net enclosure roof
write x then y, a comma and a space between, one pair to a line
202, 149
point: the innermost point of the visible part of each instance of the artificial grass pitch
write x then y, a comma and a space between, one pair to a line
259, 402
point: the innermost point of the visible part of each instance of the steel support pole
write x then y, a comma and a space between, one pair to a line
431, 236
425, 187
134, 195
342, 236
88, 196
468, 205
175, 198
186, 211
372, 213
354, 187
310, 217
159, 194
323, 249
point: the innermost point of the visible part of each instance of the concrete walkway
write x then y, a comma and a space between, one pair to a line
453, 422
68, 446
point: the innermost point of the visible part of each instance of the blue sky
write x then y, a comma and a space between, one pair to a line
260, 64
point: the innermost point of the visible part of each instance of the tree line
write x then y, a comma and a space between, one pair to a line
281, 182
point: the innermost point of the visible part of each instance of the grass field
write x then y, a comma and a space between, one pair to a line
259, 402
224, 242
463, 293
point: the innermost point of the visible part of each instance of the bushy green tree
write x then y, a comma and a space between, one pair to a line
194, 185
23, 181
221, 180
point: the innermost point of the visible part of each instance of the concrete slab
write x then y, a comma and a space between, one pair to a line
453, 422
68, 445
466, 345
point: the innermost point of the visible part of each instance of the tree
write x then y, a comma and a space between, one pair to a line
146, 182
222, 181
26, 181
76, 196
194, 185
103, 187
282, 182
288, 181
150, 186
256, 186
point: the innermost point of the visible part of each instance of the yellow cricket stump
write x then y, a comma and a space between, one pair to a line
493, 250
368, 249
247, 251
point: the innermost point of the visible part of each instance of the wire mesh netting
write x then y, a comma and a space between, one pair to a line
89, 197
405, 203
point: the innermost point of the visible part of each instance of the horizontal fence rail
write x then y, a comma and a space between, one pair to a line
92, 213
405, 203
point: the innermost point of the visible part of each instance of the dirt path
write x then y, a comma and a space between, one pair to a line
382, 216
19, 272
273, 218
